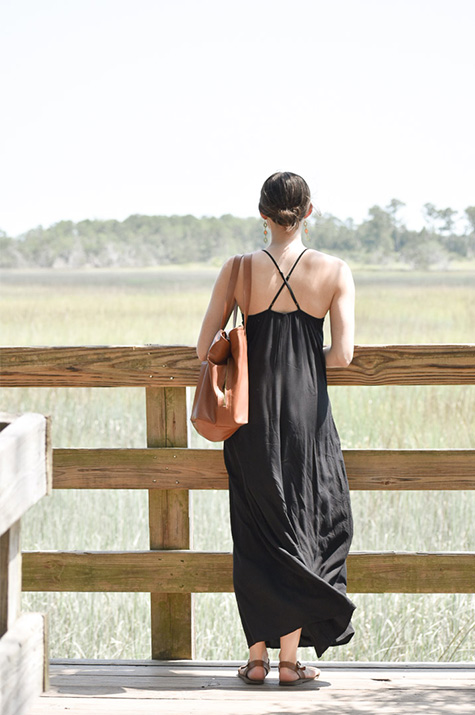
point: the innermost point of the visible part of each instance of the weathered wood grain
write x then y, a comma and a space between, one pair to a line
22, 664
202, 572
410, 469
399, 572
181, 688
169, 525
25, 471
177, 365
433, 364
168, 468
10, 577
99, 366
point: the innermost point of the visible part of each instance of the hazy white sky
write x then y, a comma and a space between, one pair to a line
115, 107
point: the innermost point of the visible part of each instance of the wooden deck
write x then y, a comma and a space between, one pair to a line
135, 687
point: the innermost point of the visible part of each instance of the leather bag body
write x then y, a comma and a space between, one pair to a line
221, 403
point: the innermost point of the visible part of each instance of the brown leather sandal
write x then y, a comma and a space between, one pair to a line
299, 669
252, 664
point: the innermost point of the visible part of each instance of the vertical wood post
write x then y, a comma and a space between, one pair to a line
10, 577
169, 525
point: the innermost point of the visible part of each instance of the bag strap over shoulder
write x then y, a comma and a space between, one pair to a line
228, 305
230, 302
247, 265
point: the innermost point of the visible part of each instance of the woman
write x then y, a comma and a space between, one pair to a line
290, 507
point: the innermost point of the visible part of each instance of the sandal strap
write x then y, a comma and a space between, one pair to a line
253, 663
296, 667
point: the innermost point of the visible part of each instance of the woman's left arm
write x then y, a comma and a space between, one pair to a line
342, 320
214, 314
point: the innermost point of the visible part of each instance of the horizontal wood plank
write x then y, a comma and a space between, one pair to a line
433, 364
148, 468
99, 366
166, 468
203, 572
163, 366
408, 469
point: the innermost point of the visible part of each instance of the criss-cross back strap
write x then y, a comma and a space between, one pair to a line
284, 278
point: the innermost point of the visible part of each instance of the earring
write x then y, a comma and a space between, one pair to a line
265, 231
305, 228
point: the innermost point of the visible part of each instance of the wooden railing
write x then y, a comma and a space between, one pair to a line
25, 477
167, 468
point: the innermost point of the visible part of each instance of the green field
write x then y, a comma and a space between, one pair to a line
165, 306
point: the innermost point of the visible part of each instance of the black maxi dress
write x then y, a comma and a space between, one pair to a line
290, 507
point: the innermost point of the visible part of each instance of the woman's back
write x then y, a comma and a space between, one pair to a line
314, 281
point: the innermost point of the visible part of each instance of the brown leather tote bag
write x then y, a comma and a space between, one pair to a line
221, 403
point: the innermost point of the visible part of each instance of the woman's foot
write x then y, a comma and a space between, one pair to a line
295, 673
254, 671
257, 666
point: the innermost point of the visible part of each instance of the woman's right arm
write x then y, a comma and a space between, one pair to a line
214, 314
342, 319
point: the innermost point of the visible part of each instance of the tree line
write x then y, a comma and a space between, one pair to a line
139, 240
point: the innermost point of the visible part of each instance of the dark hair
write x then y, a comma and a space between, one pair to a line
285, 198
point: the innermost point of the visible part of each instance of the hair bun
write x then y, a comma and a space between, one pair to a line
285, 198
287, 217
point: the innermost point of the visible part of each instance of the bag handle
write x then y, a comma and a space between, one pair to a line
228, 305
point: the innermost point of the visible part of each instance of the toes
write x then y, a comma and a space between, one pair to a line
306, 673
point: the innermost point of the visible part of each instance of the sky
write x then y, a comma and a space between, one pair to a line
160, 107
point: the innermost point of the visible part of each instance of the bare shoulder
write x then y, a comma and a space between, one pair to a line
329, 266
228, 263
226, 269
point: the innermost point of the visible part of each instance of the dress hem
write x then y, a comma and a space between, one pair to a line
310, 642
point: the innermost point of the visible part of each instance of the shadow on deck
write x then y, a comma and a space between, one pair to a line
135, 687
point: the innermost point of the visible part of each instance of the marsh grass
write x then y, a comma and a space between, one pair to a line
165, 306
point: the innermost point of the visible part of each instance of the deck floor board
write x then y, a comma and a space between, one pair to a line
179, 687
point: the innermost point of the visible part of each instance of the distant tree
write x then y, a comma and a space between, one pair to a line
468, 238
329, 233
447, 220
399, 229
431, 216
156, 240
470, 214
422, 250
376, 233
439, 220
7, 257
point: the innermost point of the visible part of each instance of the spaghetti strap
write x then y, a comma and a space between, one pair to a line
284, 278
